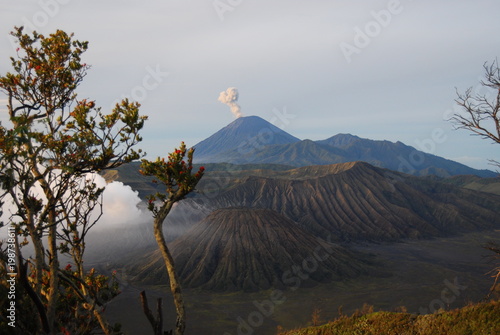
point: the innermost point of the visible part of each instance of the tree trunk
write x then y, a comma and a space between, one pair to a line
53, 295
22, 275
39, 251
102, 322
175, 286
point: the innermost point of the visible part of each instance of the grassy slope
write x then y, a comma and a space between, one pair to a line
481, 318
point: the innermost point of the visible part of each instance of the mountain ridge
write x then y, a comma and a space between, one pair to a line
358, 201
252, 140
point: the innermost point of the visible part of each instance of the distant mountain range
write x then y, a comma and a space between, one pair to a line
252, 140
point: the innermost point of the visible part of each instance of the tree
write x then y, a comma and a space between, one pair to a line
482, 117
55, 142
480, 111
177, 177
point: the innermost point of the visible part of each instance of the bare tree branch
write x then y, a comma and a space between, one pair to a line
480, 111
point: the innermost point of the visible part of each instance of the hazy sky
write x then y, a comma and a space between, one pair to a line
376, 69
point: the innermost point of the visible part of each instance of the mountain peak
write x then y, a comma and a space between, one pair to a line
250, 118
244, 134
341, 140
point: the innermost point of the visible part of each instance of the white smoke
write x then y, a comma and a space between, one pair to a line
230, 98
125, 223
120, 204
119, 229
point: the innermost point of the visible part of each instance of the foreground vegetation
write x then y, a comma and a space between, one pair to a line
481, 318
51, 149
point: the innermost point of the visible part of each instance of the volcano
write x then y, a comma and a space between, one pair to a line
243, 136
252, 249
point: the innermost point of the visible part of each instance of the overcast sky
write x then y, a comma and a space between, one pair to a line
376, 69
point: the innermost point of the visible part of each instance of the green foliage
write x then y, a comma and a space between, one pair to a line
52, 144
72, 313
45, 67
50, 124
481, 318
174, 173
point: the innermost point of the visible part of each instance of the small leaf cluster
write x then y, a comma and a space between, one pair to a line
175, 173
45, 67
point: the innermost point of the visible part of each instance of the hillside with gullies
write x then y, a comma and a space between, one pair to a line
250, 250
359, 202
352, 201
330, 224
258, 224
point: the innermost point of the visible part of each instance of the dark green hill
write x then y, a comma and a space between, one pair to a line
490, 185
296, 154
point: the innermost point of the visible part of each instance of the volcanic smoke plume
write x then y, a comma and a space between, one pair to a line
230, 98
